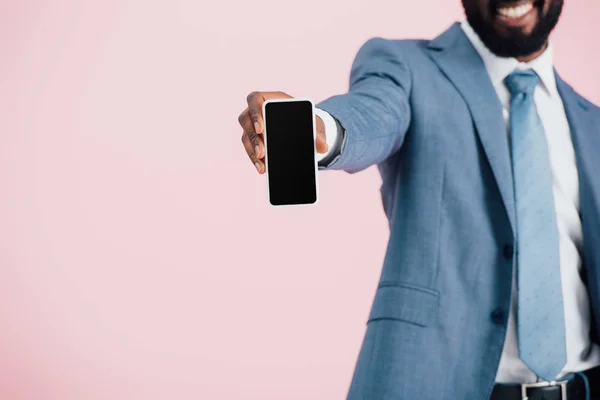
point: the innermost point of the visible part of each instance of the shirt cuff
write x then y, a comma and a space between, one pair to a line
334, 134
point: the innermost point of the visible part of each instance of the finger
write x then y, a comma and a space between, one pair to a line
243, 116
255, 102
321, 143
256, 140
250, 150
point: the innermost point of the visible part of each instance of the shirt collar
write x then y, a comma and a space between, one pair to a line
499, 68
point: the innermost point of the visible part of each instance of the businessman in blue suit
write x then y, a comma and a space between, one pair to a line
490, 287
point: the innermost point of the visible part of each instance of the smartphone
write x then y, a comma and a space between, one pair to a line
290, 152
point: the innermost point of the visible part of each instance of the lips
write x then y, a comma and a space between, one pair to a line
516, 14
515, 10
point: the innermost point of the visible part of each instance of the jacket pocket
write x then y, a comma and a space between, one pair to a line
405, 302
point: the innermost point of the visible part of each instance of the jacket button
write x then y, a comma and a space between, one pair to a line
508, 252
498, 316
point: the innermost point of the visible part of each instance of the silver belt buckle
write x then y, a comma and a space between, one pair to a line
562, 384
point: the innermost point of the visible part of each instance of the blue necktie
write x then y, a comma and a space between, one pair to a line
540, 311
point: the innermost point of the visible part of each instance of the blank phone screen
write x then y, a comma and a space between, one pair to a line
290, 153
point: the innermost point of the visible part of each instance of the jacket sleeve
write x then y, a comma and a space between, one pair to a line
375, 113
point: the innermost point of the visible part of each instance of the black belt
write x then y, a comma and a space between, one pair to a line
572, 389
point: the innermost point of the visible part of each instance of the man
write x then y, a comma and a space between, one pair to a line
489, 163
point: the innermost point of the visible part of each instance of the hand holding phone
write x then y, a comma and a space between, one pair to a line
290, 152
253, 137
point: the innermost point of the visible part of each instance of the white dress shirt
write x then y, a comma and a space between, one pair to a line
582, 354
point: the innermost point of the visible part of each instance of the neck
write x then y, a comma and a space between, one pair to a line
534, 55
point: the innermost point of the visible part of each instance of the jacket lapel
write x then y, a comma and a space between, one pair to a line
586, 141
459, 61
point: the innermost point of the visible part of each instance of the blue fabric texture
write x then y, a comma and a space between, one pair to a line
540, 321
427, 115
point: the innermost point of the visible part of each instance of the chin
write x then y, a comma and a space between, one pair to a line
515, 28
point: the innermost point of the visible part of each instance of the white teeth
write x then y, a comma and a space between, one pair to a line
515, 12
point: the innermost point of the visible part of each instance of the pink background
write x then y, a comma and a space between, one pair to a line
138, 256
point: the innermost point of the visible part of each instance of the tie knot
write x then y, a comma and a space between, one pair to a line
522, 82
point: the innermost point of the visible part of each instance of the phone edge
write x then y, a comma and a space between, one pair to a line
264, 112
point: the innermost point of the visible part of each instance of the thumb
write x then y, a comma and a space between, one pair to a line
321, 142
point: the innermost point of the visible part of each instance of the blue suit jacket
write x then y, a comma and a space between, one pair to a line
427, 114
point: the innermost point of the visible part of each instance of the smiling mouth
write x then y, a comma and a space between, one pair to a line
517, 10
516, 14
